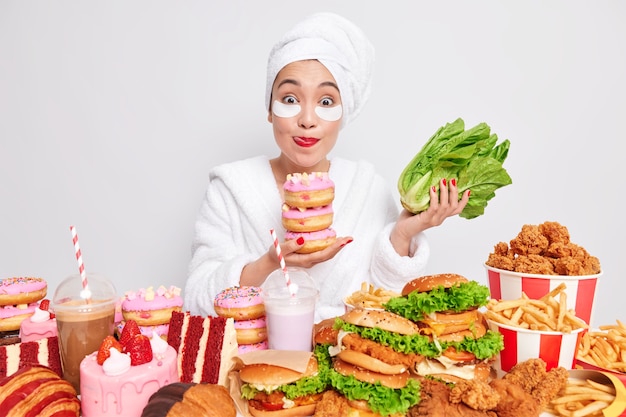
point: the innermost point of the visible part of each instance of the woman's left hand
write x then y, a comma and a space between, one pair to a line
443, 204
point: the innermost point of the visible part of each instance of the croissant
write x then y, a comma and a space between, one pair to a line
37, 390
181, 399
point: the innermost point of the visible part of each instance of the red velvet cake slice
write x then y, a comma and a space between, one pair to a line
40, 352
206, 347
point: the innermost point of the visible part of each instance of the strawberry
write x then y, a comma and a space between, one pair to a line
139, 350
130, 330
104, 352
44, 304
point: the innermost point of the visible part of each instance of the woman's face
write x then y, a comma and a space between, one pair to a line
305, 113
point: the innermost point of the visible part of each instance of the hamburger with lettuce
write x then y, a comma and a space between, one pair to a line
276, 391
373, 379
455, 340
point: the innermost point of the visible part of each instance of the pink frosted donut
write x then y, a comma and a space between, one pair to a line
22, 290
11, 317
313, 241
252, 347
308, 189
307, 220
240, 303
151, 308
251, 331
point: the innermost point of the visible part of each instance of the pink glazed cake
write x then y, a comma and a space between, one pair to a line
125, 391
38, 326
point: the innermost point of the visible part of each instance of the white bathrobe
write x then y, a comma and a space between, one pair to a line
242, 205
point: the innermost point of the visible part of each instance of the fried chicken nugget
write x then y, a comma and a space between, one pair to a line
477, 394
514, 401
533, 264
555, 232
529, 241
532, 376
548, 246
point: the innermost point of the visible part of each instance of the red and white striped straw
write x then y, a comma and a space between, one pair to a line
79, 259
283, 266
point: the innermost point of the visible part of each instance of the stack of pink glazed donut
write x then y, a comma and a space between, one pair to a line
244, 305
19, 298
307, 212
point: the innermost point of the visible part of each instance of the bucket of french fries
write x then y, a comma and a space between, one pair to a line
536, 328
581, 290
368, 297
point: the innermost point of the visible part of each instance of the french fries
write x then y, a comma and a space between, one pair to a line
549, 313
370, 297
605, 348
582, 398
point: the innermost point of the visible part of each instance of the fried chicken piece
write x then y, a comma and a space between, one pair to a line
548, 388
333, 404
500, 262
592, 265
529, 241
435, 402
555, 232
533, 264
532, 377
476, 394
386, 354
514, 400
502, 249
569, 266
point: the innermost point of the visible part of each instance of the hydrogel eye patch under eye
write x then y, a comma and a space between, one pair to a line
285, 110
330, 114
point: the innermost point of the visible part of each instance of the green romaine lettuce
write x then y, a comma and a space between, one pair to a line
471, 156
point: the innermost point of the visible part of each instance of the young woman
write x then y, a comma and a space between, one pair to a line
318, 80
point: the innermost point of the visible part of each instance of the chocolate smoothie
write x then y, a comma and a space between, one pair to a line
81, 328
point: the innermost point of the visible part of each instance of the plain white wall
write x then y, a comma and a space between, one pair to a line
113, 112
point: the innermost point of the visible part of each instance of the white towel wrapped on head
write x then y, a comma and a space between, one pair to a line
336, 43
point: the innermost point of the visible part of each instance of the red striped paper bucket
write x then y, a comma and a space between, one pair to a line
509, 285
555, 348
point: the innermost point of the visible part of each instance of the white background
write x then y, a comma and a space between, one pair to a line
113, 112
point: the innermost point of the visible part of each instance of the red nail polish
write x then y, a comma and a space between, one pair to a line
300, 241
444, 182
453, 182
434, 189
469, 192
346, 243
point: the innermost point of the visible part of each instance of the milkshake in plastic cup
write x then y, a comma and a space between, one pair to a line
290, 318
84, 319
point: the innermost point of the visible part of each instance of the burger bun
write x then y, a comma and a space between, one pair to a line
428, 282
